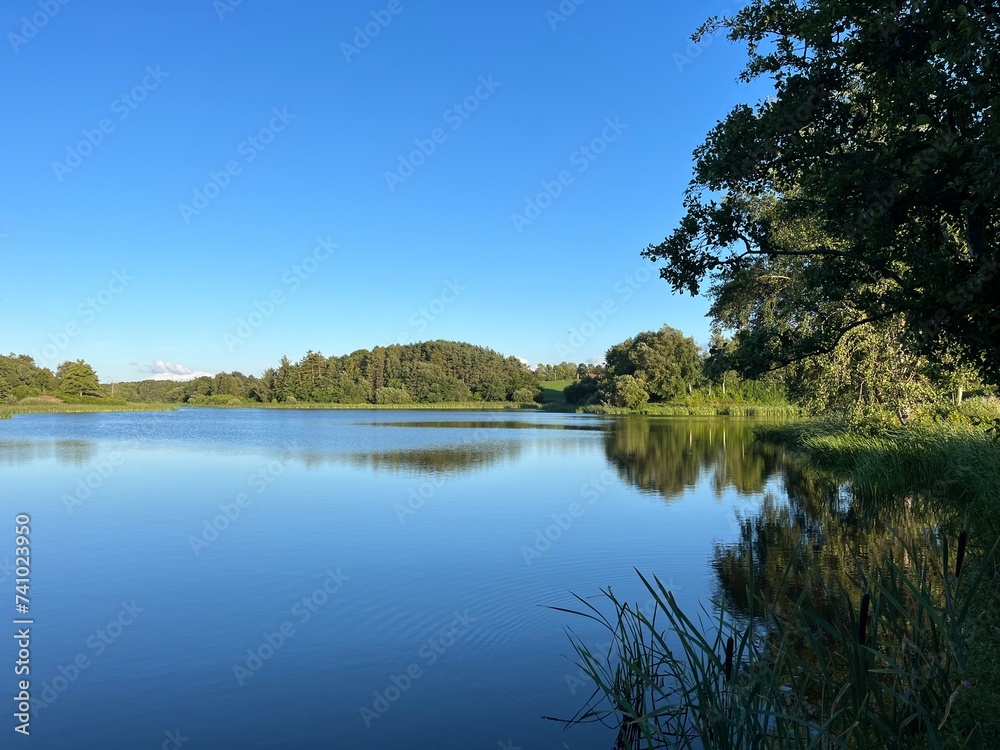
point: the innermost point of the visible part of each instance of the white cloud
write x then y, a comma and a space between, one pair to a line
162, 370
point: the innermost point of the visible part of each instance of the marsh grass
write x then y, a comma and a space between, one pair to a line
38, 406
958, 465
458, 406
886, 672
699, 410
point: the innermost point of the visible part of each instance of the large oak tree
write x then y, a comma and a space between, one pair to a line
881, 150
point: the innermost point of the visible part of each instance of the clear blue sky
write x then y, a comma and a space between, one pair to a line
174, 93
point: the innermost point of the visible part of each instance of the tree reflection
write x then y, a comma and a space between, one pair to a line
668, 456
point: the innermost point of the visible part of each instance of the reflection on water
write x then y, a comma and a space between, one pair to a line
667, 493
445, 460
668, 456
70, 452
495, 424
828, 539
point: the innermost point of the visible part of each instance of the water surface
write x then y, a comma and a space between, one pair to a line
293, 579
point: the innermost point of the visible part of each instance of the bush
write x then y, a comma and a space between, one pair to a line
629, 392
526, 395
392, 396
216, 400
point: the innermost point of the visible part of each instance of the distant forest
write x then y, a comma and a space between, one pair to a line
650, 368
429, 372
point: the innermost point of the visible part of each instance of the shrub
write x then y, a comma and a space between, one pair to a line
392, 396
526, 395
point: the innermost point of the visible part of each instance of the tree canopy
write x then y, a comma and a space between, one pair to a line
863, 192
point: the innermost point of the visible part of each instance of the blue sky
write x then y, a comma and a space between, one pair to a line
216, 184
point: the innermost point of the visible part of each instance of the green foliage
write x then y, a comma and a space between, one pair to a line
24, 377
865, 189
78, 378
563, 371
583, 392
666, 361
942, 461
526, 395
882, 669
392, 396
628, 391
216, 399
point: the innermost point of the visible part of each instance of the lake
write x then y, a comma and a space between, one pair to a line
352, 579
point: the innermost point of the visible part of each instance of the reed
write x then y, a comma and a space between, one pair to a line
886, 672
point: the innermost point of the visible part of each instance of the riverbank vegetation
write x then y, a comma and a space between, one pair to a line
846, 232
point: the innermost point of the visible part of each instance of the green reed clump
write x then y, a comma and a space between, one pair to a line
884, 673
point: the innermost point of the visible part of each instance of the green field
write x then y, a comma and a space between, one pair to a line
552, 391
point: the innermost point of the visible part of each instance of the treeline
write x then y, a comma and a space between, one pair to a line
426, 373
869, 378
649, 369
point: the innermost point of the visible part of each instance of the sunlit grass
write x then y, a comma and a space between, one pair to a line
29, 406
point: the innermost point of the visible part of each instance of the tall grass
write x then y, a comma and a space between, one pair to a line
885, 673
457, 406
698, 410
957, 464
26, 406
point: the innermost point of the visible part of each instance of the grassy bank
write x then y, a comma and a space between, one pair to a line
899, 652
462, 406
955, 467
708, 409
39, 406
953, 464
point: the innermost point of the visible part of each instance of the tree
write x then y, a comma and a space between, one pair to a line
666, 361
78, 379
628, 391
720, 360
525, 395
883, 136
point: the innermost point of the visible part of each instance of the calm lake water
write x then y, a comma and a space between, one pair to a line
350, 579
